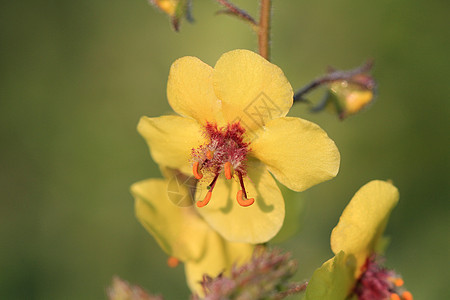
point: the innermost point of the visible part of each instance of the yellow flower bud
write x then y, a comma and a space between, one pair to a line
167, 6
175, 9
351, 97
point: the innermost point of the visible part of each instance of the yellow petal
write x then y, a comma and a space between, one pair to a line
363, 220
178, 230
171, 139
333, 280
254, 224
220, 257
190, 90
252, 90
297, 152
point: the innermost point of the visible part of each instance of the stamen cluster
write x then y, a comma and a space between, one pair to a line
225, 151
266, 276
377, 282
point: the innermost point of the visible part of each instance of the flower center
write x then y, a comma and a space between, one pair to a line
226, 151
378, 282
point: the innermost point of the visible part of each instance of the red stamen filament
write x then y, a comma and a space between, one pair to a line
195, 169
241, 196
209, 193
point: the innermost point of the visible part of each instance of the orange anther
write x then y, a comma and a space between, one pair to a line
172, 261
243, 202
209, 154
196, 171
205, 201
407, 296
228, 170
398, 282
394, 297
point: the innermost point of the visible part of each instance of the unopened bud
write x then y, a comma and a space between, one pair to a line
348, 91
122, 290
266, 276
175, 9
351, 96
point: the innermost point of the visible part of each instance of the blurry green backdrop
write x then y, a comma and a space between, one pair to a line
77, 75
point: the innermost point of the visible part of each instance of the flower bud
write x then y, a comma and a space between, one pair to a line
266, 276
348, 91
122, 290
351, 95
175, 9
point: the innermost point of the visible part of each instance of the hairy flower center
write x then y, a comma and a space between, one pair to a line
225, 151
377, 282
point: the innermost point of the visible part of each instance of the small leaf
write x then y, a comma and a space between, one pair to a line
333, 280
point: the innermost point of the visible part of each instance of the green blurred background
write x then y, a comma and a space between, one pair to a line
77, 75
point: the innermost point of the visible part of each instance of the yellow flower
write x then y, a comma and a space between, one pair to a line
231, 131
355, 271
183, 234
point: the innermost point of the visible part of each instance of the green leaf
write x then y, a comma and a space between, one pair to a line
333, 280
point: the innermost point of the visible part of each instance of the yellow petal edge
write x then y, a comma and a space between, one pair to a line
190, 90
363, 221
251, 89
171, 139
297, 152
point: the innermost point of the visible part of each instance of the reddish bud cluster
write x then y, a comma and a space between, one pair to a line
377, 282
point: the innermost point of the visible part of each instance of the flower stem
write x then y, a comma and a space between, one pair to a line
264, 29
333, 76
295, 288
233, 10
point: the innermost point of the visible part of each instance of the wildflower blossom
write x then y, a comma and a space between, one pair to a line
356, 271
231, 131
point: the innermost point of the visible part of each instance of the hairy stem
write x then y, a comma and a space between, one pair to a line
264, 29
295, 288
232, 9
330, 77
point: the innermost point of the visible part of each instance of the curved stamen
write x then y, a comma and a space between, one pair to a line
195, 169
241, 195
242, 201
209, 193
228, 170
206, 200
